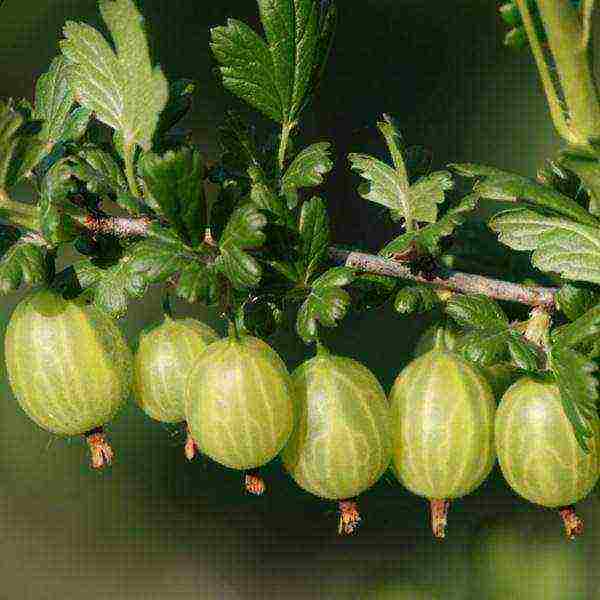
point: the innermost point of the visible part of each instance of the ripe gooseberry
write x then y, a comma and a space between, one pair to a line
239, 404
69, 367
443, 429
538, 452
341, 445
163, 359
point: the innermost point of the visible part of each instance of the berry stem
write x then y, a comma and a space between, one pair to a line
439, 517
349, 516
101, 452
573, 524
254, 483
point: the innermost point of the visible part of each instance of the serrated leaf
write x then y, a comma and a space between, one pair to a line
120, 86
573, 251
99, 170
54, 206
574, 300
175, 181
307, 170
427, 193
264, 197
522, 354
178, 105
589, 173
390, 186
198, 283
326, 303
274, 76
522, 229
416, 298
243, 231
512, 188
580, 331
237, 143
26, 262
146, 262
53, 101
431, 235
578, 390
477, 312
484, 346
10, 122
314, 235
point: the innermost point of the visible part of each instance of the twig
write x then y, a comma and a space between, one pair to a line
449, 279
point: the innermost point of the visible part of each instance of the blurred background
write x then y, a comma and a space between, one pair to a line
157, 527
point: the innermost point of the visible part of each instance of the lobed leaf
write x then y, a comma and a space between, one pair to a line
578, 390
99, 170
314, 235
477, 312
120, 86
416, 298
243, 232
574, 300
175, 182
10, 122
27, 262
306, 170
276, 76
326, 303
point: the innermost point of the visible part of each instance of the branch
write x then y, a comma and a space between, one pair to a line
118, 226
449, 279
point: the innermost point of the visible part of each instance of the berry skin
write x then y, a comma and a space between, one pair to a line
238, 402
538, 453
341, 445
68, 365
163, 360
443, 429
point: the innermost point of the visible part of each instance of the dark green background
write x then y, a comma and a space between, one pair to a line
156, 527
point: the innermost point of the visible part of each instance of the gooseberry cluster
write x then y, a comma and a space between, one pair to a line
71, 371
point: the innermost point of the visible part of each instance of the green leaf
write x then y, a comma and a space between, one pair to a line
390, 186
306, 170
513, 188
243, 232
578, 390
326, 303
175, 181
477, 312
99, 170
484, 346
427, 193
314, 235
522, 229
265, 198
177, 107
489, 336
572, 251
237, 143
274, 76
150, 261
416, 298
588, 170
574, 300
10, 122
121, 87
431, 235
522, 354
198, 283
582, 330
54, 206
27, 262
